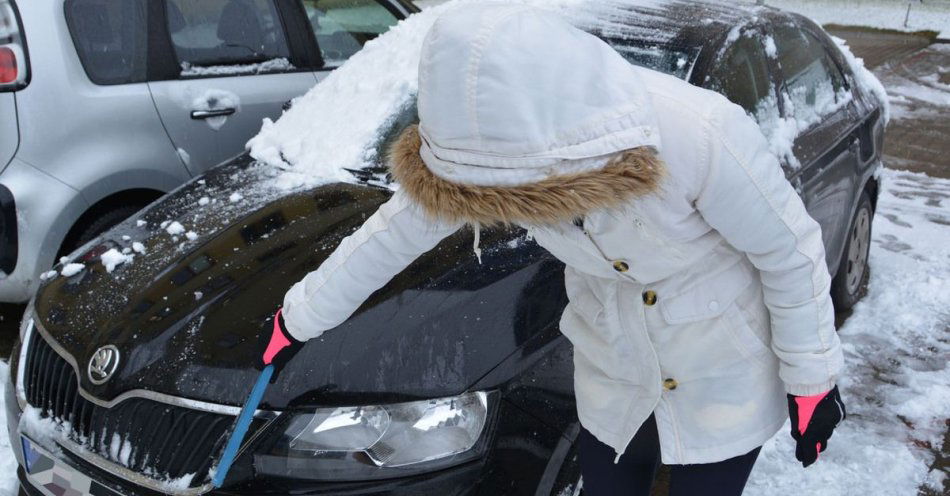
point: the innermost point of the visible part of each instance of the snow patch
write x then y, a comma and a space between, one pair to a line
770, 49
138, 247
174, 228
185, 157
113, 258
272, 65
204, 200
235, 197
72, 269
352, 108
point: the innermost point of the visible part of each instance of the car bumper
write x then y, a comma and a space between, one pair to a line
45, 210
65, 473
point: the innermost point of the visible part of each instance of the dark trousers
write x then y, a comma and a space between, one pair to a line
633, 474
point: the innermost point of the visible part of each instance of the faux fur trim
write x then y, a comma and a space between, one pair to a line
633, 173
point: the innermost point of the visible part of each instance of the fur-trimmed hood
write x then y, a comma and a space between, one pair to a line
560, 198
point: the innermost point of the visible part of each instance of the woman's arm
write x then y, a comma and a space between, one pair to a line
746, 197
394, 236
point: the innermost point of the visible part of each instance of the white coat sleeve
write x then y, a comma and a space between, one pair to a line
746, 197
391, 239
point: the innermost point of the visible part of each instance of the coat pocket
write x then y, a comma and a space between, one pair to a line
706, 299
712, 307
745, 337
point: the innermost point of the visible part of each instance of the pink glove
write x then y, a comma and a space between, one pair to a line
280, 348
814, 418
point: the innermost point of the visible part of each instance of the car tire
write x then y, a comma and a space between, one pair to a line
850, 284
96, 226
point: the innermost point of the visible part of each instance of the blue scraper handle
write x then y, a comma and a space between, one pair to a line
241, 424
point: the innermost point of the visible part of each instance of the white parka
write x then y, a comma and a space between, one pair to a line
704, 302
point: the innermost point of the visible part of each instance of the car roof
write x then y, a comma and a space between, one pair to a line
683, 22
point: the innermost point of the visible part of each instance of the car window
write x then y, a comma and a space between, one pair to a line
227, 37
666, 58
742, 76
814, 86
343, 26
110, 39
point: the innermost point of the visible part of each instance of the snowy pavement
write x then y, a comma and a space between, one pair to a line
918, 138
896, 383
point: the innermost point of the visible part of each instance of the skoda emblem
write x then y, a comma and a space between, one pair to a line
103, 364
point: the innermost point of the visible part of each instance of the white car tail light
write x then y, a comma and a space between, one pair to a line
14, 70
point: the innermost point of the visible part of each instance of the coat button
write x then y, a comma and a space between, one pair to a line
649, 297
713, 305
670, 384
621, 266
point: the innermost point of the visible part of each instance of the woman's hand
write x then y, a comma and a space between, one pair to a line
814, 418
280, 348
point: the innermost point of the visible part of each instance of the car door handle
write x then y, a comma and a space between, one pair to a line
207, 114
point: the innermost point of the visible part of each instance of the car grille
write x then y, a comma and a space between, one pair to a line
160, 441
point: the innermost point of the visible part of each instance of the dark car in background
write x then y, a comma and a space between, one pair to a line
453, 379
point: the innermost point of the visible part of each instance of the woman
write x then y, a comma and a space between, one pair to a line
699, 307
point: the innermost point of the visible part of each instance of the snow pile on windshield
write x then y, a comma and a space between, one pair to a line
338, 124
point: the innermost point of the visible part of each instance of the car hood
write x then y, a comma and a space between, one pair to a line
189, 312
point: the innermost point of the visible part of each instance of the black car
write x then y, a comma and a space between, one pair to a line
454, 378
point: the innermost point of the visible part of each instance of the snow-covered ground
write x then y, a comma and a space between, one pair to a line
896, 384
931, 15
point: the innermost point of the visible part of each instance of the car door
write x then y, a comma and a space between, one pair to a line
817, 105
237, 63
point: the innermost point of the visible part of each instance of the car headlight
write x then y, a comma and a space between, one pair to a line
379, 441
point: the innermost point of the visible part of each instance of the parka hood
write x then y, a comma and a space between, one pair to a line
511, 95
524, 119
